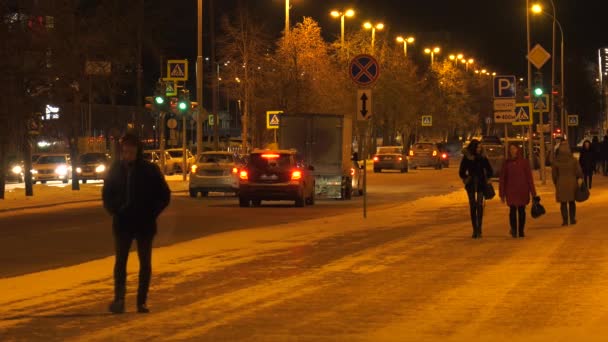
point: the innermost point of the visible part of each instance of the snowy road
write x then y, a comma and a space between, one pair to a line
407, 273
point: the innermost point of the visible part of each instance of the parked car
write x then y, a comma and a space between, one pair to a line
356, 172
276, 176
425, 154
15, 170
153, 156
92, 166
52, 167
215, 171
177, 159
391, 158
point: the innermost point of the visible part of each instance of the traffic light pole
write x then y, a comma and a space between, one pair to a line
184, 150
199, 82
163, 161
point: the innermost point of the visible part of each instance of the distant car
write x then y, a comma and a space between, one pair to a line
490, 140
276, 176
92, 166
153, 156
444, 154
215, 171
426, 154
391, 158
177, 159
52, 167
15, 170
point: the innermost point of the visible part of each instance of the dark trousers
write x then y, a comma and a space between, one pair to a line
514, 214
122, 243
605, 167
588, 179
476, 207
568, 208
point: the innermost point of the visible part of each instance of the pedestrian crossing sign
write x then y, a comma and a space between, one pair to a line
427, 121
272, 119
523, 114
572, 120
541, 105
177, 70
170, 88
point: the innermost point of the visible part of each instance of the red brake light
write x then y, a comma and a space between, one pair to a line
296, 175
243, 175
376, 159
434, 153
352, 171
400, 158
444, 156
235, 170
411, 153
270, 156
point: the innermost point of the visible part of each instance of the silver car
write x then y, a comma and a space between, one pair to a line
425, 154
215, 171
52, 167
390, 158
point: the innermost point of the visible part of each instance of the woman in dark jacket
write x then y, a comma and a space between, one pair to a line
587, 161
596, 148
567, 176
475, 171
516, 186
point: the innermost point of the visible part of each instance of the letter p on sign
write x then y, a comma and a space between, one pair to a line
504, 87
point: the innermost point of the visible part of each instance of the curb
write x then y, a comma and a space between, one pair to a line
42, 206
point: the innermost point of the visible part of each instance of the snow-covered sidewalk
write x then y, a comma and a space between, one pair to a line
49, 195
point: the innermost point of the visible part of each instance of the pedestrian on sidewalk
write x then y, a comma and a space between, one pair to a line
516, 186
567, 176
475, 172
595, 148
604, 155
587, 162
134, 193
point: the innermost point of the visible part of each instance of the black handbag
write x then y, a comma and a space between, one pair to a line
582, 193
537, 209
488, 191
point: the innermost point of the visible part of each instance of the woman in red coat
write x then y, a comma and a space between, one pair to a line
516, 186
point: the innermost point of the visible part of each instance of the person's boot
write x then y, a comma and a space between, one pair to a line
143, 308
564, 216
521, 232
572, 214
117, 306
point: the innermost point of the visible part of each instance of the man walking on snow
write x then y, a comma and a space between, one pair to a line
134, 193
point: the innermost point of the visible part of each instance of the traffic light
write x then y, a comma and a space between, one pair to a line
183, 104
159, 100
538, 92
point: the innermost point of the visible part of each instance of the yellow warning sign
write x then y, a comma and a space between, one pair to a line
177, 70
272, 119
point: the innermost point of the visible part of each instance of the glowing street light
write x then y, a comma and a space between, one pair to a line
432, 52
369, 26
338, 14
536, 8
405, 41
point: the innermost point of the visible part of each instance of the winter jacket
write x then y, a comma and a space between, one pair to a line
586, 160
516, 182
475, 171
566, 171
604, 149
135, 195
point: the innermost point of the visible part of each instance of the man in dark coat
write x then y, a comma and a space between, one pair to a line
587, 162
134, 193
475, 172
604, 155
596, 149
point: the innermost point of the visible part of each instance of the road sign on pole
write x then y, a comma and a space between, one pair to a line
538, 56
273, 119
427, 121
523, 114
177, 70
505, 116
364, 104
572, 120
504, 87
170, 88
364, 70
541, 104
505, 105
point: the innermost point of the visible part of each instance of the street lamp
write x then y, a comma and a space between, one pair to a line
369, 26
467, 63
405, 41
432, 52
287, 17
338, 14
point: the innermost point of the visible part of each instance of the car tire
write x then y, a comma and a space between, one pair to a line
256, 203
376, 170
311, 200
361, 192
42, 182
84, 181
205, 193
301, 201
243, 202
65, 181
193, 193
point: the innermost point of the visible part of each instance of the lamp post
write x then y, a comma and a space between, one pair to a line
337, 14
432, 52
369, 26
286, 18
468, 62
405, 41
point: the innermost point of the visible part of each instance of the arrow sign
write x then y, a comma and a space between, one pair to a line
364, 104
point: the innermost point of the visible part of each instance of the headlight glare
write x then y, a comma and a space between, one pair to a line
17, 170
61, 170
100, 168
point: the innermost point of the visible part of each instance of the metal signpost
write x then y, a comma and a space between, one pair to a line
538, 56
504, 103
364, 71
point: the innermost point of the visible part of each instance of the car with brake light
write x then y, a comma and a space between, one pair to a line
215, 171
52, 167
391, 158
444, 152
276, 176
92, 166
425, 154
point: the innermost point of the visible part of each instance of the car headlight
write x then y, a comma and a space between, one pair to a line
17, 170
34, 172
61, 170
78, 170
100, 168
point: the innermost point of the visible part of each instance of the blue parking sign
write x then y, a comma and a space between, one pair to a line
504, 87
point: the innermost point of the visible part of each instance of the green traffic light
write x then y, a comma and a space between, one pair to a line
538, 91
182, 106
159, 100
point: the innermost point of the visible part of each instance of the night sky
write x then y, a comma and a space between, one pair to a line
491, 31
